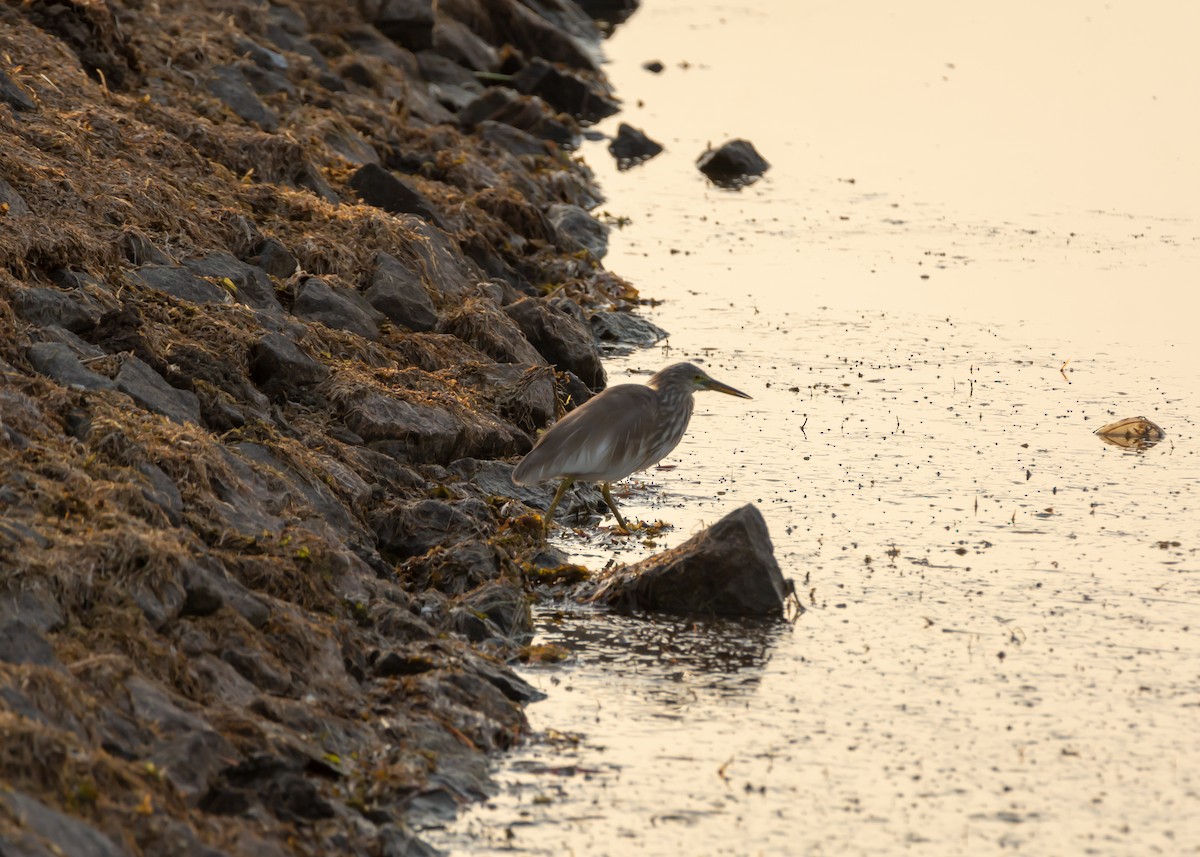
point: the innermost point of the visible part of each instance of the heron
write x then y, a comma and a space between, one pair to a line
627, 428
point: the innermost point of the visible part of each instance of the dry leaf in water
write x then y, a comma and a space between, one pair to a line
1131, 433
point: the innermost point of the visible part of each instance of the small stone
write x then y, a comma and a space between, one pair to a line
70, 310
22, 644
44, 831
281, 368
631, 147
12, 94
560, 338
56, 360
384, 189
398, 292
625, 329
512, 140
733, 165
274, 258
229, 84
149, 390
181, 283
251, 286
578, 230
525, 112
407, 22
565, 91
343, 309
653, 66
12, 204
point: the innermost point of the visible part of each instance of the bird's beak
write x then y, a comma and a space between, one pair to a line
717, 386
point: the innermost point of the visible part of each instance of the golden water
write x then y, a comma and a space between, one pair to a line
979, 241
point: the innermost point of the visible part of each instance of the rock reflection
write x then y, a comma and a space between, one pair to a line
719, 654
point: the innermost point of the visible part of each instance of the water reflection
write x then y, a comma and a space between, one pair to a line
668, 657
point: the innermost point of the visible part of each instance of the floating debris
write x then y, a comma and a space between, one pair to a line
1131, 433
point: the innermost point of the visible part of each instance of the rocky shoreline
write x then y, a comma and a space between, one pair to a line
283, 286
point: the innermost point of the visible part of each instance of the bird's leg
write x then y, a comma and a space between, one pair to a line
549, 516
606, 490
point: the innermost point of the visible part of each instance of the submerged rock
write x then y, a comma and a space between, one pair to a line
733, 164
727, 570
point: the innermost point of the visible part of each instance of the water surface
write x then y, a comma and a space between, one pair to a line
979, 241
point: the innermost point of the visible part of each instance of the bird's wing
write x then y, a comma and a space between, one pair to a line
600, 441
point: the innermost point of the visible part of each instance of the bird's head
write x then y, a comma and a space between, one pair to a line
689, 377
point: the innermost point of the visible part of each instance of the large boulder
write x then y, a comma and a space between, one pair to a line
727, 570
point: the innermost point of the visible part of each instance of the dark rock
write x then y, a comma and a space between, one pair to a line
365, 39
191, 761
287, 40
43, 831
727, 570
576, 391
733, 165
255, 665
12, 204
21, 644
12, 94
344, 309
407, 22
251, 285
267, 81
345, 141
260, 56
415, 528
504, 606
18, 532
653, 66
159, 597
447, 270
523, 394
180, 283
578, 230
153, 705
149, 390
455, 41
560, 338
94, 33
384, 189
625, 329
526, 112
410, 432
398, 292
396, 840
229, 84
31, 603
494, 479
481, 324
208, 588
140, 250
274, 258
505, 680
162, 492
392, 664
631, 146
56, 360
551, 31
565, 91
281, 368
511, 140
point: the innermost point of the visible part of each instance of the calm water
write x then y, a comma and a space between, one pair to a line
979, 241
